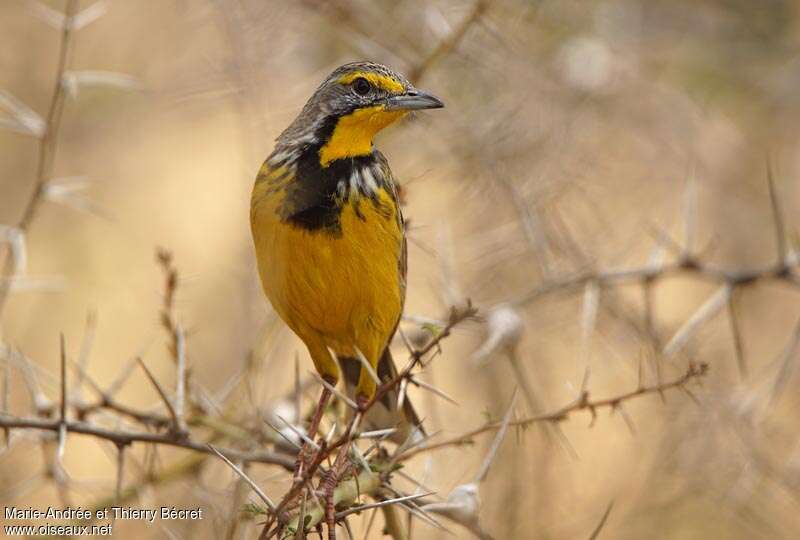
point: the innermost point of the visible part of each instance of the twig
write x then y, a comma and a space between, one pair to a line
123, 437
707, 271
107, 402
449, 43
583, 403
47, 148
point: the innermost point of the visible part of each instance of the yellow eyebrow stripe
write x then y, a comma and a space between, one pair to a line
381, 81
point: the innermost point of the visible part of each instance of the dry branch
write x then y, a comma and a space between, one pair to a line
122, 437
450, 42
47, 149
583, 403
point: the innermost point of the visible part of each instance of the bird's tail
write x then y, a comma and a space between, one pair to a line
384, 414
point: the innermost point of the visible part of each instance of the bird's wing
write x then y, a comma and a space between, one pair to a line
387, 370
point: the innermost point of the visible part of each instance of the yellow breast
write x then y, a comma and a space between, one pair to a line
343, 286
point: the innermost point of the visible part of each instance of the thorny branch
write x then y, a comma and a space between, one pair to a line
582, 403
782, 272
730, 280
122, 437
48, 145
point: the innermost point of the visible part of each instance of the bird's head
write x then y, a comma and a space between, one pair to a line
350, 107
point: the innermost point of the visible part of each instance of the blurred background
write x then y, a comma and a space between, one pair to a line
576, 137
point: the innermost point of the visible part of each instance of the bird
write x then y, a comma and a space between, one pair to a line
329, 234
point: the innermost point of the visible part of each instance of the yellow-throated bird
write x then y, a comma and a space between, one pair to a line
327, 226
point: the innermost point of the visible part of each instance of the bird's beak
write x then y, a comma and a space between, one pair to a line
413, 100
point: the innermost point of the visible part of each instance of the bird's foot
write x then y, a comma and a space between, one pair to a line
362, 402
329, 487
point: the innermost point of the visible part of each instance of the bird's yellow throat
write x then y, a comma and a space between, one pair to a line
354, 132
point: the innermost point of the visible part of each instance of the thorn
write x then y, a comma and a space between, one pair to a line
25, 119
433, 389
777, 216
370, 523
591, 301
62, 428
690, 213
377, 434
425, 516
596, 533
650, 328
640, 373
42, 405
74, 80
366, 365
735, 332
498, 439
298, 389
122, 378
6, 391
401, 394
118, 485
360, 457
243, 476
180, 382
331, 433
786, 365
379, 504
405, 340
305, 438
63, 410
86, 347
283, 435
624, 413
350, 403
347, 529
664, 239
584, 382
420, 484
704, 313
690, 394
175, 421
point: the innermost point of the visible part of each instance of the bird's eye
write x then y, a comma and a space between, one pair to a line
361, 86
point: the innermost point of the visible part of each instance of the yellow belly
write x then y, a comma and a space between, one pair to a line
339, 291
